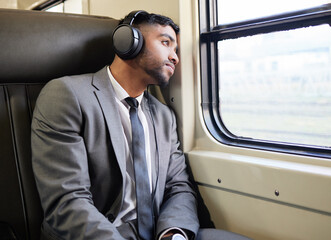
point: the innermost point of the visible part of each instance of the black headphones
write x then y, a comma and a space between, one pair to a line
127, 40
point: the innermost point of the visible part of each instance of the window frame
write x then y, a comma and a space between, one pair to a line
211, 33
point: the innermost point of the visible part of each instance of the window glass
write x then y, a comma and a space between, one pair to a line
68, 6
277, 86
56, 8
240, 10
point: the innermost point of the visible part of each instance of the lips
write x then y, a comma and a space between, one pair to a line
171, 66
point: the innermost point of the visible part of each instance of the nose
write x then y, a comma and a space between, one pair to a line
173, 58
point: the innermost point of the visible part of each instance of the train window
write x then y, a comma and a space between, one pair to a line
62, 6
266, 81
277, 86
56, 8
259, 8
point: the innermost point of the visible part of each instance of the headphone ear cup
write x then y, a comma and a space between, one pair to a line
138, 43
127, 41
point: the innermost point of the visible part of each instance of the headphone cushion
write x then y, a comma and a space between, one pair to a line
127, 41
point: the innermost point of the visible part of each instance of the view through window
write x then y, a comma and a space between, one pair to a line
277, 86
239, 10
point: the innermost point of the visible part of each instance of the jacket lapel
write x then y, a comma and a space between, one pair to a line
105, 94
161, 160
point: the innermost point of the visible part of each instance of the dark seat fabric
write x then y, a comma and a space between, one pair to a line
36, 47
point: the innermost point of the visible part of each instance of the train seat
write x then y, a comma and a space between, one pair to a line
36, 47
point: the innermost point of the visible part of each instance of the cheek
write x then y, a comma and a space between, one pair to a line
154, 55
158, 51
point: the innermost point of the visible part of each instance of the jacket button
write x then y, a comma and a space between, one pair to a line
111, 217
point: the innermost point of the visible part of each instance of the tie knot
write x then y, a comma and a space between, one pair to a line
132, 102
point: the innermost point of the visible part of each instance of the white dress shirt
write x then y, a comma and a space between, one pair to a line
128, 211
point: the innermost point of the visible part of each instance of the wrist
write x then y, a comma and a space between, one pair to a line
175, 236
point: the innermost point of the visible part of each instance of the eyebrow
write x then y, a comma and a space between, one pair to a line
170, 38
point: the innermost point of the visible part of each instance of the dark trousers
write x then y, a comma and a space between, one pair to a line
129, 232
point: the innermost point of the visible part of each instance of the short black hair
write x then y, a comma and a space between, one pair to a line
151, 18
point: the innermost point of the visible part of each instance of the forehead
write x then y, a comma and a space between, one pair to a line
156, 31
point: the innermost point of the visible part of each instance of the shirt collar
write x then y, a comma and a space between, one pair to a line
120, 93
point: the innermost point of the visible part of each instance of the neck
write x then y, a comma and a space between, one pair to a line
129, 76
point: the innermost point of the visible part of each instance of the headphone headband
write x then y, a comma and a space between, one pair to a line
129, 19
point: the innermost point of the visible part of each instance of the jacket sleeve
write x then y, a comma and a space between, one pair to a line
60, 166
179, 207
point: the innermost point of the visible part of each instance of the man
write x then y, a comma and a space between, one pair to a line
85, 147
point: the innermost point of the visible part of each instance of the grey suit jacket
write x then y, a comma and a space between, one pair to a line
79, 163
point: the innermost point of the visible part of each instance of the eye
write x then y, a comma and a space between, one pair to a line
165, 42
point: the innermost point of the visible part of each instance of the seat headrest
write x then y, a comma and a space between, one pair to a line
39, 46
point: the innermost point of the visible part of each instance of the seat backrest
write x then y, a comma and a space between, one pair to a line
36, 47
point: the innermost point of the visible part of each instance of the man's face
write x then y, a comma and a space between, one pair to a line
159, 54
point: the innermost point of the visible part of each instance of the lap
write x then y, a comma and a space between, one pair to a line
216, 234
128, 230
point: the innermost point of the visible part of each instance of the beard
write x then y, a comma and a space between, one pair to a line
153, 67
159, 78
